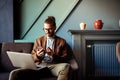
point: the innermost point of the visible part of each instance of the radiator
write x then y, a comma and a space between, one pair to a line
105, 60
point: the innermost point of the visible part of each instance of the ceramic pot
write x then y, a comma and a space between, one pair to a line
82, 25
98, 24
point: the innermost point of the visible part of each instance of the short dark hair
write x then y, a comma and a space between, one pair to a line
51, 20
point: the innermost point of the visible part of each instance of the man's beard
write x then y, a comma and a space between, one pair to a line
50, 35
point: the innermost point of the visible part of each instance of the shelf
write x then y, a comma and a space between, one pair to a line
95, 31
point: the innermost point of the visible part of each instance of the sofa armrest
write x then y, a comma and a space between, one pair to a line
17, 47
1, 68
118, 51
73, 64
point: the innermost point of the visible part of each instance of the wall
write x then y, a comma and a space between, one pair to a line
6, 21
34, 12
86, 11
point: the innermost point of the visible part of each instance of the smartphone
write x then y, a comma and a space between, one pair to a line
39, 47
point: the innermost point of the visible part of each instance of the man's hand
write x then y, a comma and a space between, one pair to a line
49, 51
40, 52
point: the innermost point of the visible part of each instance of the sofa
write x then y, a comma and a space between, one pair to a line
118, 51
6, 66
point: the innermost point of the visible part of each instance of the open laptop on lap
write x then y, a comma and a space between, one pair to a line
23, 60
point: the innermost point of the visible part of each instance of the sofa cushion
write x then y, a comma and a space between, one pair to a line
17, 47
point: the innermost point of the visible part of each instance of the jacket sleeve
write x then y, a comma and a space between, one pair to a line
36, 59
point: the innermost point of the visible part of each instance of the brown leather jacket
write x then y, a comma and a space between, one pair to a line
60, 49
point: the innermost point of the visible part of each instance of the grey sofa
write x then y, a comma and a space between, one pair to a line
6, 66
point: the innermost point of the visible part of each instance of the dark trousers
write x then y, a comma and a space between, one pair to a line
28, 74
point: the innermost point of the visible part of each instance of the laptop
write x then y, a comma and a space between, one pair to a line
23, 60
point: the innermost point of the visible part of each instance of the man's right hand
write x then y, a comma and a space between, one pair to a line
40, 52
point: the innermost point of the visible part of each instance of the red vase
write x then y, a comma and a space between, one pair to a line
98, 24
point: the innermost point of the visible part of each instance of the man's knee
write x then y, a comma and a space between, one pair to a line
65, 68
63, 73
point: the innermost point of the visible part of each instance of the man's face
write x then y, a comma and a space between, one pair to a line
49, 30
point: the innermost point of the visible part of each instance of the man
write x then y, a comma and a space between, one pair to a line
51, 51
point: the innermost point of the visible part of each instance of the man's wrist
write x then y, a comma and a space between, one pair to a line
39, 57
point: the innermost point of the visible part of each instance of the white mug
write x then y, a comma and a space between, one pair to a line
82, 25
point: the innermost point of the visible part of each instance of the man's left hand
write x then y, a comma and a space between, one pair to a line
49, 51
